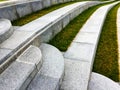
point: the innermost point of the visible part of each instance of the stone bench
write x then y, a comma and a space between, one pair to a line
80, 55
39, 30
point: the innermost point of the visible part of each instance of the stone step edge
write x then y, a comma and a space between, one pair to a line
52, 71
20, 73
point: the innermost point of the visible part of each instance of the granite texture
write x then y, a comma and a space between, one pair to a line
23, 9
32, 55
16, 41
15, 75
100, 82
76, 75
6, 29
42, 82
51, 74
36, 6
80, 51
4, 54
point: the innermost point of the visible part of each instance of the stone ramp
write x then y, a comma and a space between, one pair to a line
80, 55
39, 30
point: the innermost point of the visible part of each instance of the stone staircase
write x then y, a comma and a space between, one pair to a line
39, 30
29, 64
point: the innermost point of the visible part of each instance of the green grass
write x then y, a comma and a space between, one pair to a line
33, 16
63, 39
2, 0
106, 60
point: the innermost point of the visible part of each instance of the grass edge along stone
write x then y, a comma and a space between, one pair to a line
64, 38
28, 18
106, 60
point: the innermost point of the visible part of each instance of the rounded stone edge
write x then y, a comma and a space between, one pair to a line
43, 48
32, 55
8, 31
100, 82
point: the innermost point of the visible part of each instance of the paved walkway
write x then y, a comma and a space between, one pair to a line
118, 36
81, 53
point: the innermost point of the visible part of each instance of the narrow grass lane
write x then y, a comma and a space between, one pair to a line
63, 39
106, 60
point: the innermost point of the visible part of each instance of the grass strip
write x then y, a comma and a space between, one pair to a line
28, 18
63, 39
106, 60
2, 0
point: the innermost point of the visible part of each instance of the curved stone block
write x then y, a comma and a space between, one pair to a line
51, 74
32, 55
6, 29
100, 82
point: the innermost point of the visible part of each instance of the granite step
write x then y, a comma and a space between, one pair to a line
20, 73
80, 55
52, 71
6, 29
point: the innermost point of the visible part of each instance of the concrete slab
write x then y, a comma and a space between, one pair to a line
80, 51
53, 61
16, 76
46, 3
17, 39
57, 27
37, 5
4, 53
35, 26
23, 9
32, 55
47, 35
44, 83
66, 20
95, 22
8, 13
76, 75
84, 37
